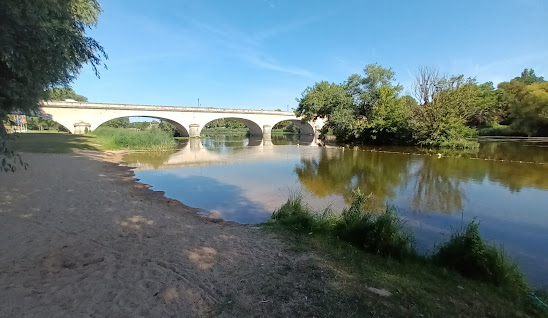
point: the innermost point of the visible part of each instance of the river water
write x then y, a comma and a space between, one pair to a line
503, 184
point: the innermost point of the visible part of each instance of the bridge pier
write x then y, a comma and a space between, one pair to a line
194, 130
267, 130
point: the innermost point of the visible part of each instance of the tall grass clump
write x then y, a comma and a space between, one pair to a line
123, 138
468, 254
296, 214
383, 234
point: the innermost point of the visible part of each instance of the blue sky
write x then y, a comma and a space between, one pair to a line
261, 54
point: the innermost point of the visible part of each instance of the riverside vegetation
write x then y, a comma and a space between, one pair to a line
446, 111
384, 235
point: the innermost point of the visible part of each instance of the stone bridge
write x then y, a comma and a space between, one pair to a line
80, 117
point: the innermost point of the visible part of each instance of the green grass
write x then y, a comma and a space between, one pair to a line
500, 130
122, 138
465, 278
468, 254
379, 233
337, 276
40, 142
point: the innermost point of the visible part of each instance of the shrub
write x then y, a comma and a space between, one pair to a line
468, 254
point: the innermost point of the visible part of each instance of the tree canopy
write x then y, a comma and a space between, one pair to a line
44, 45
64, 93
449, 112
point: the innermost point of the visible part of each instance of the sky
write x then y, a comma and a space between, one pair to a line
262, 54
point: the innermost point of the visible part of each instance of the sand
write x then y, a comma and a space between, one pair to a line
80, 238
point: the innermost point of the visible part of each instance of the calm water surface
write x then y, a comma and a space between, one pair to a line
504, 184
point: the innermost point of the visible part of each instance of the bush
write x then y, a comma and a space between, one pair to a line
120, 138
468, 254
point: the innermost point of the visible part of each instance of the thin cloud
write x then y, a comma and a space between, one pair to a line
270, 3
273, 65
248, 48
505, 69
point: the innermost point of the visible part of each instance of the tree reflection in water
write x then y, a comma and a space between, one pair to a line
434, 178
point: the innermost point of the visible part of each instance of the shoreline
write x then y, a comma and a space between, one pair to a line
81, 236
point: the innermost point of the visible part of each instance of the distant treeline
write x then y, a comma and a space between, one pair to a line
443, 111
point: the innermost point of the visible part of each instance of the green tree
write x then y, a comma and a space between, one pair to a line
64, 93
443, 121
528, 77
39, 123
528, 106
389, 119
321, 100
122, 122
43, 45
365, 90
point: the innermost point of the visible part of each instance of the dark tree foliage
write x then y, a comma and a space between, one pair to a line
44, 45
528, 77
64, 93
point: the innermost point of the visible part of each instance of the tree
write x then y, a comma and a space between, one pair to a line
64, 93
528, 77
527, 106
122, 122
43, 45
39, 123
425, 85
443, 121
321, 100
365, 90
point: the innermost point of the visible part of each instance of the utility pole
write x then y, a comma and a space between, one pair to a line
198, 102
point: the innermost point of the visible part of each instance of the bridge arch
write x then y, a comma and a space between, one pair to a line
254, 128
304, 128
183, 132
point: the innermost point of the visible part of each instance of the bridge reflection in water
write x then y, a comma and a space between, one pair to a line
218, 150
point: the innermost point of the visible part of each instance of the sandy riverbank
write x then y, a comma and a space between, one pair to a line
80, 238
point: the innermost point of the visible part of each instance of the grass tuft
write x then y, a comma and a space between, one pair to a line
386, 235
468, 254
382, 234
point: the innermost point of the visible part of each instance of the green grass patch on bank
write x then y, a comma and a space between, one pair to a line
468, 254
465, 277
58, 142
122, 138
500, 130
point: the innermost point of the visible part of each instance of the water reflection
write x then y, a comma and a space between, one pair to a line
504, 183
340, 171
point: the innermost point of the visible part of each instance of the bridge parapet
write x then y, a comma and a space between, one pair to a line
105, 106
188, 120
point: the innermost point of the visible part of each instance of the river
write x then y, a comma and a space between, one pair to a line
503, 184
